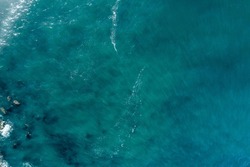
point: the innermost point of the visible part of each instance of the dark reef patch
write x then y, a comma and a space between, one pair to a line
49, 119
67, 148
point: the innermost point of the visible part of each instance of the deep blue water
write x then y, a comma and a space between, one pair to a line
125, 83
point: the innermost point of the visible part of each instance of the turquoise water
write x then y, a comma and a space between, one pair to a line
125, 83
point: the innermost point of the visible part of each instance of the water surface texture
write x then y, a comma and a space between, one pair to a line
119, 83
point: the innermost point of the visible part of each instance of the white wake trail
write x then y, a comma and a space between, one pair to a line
114, 24
136, 87
14, 13
126, 125
130, 116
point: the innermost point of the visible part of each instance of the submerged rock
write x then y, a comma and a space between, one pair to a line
26, 127
16, 145
3, 110
27, 164
9, 109
6, 129
17, 103
2, 123
28, 135
8, 98
67, 148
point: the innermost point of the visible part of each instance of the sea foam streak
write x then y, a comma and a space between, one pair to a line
125, 126
131, 114
114, 24
14, 12
136, 87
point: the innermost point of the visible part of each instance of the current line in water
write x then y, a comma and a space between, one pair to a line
114, 24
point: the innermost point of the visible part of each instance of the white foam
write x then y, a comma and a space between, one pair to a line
14, 12
114, 24
27, 164
5, 132
3, 163
136, 87
129, 116
133, 99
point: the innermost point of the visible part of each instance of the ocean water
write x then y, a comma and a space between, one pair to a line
125, 83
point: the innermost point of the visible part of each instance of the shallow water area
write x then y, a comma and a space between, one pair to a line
124, 83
